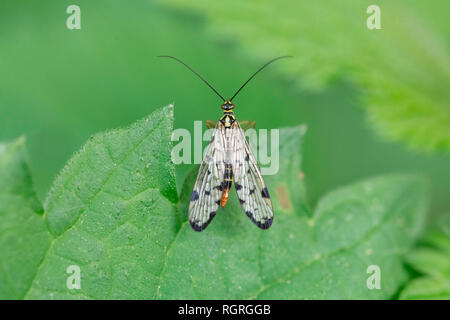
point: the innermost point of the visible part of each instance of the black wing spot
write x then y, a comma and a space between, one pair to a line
200, 227
247, 157
263, 225
219, 187
194, 195
207, 192
252, 191
195, 226
218, 202
265, 193
266, 224
237, 186
241, 201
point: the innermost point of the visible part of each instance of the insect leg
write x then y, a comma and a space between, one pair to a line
246, 124
210, 124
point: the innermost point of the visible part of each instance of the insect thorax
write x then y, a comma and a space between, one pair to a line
227, 119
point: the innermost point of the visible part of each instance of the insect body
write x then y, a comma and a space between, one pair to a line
228, 159
228, 122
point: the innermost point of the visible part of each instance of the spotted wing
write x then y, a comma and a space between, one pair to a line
207, 193
249, 183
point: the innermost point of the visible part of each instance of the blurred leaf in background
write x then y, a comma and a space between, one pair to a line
432, 261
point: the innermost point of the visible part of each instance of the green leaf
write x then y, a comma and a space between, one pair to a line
113, 211
431, 259
23, 235
403, 69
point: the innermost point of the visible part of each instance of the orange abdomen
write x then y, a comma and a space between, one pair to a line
225, 194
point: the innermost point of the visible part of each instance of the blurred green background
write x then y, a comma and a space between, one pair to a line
59, 86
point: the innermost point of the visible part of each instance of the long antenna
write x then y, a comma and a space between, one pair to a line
267, 63
207, 83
